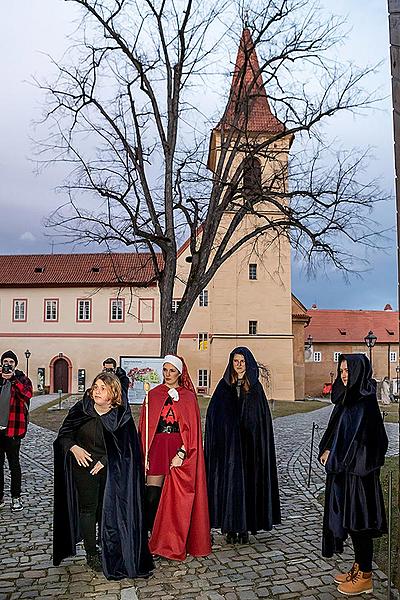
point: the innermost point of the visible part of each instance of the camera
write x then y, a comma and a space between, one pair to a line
6, 369
109, 370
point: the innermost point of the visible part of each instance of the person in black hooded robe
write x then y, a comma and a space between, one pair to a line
239, 450
353, 450
98, 473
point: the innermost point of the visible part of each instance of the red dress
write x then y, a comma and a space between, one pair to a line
182, 524
166, 441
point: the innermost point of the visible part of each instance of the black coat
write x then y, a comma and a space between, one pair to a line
239, 450
357, 441
124, 536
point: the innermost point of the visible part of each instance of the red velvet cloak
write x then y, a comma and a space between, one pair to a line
182, 524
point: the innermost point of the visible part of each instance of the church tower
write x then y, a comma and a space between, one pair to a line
252, 291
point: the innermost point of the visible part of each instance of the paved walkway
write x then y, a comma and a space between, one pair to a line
282, 564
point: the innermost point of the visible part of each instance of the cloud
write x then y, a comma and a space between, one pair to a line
27, 237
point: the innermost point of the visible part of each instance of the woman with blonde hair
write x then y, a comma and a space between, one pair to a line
98, 478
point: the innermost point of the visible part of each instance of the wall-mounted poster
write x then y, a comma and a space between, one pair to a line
140, 369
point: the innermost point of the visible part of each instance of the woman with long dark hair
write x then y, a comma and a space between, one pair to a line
353, 450
176, 494
242, 478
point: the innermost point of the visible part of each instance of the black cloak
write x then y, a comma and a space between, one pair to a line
357, 441
125, 551
240, 458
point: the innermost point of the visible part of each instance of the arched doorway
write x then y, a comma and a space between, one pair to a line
61, 375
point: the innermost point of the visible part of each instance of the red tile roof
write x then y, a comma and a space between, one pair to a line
327, 325
248, 95
67, 270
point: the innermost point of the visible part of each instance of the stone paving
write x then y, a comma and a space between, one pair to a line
282, 564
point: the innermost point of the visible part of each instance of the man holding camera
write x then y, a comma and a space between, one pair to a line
15, 395
110, 366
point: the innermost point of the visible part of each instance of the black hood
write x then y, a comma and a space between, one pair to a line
251, 365
360, 385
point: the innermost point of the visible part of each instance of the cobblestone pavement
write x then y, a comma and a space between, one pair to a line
282, 564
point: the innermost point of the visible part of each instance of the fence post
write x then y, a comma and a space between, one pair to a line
311, 453
389, 569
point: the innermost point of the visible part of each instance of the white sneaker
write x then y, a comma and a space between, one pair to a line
16, 504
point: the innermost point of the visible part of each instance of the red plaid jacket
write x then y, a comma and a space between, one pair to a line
21, 393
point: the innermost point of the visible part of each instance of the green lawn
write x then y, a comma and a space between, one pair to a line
381, 544
392, 411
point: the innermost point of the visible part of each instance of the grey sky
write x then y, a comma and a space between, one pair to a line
33, 27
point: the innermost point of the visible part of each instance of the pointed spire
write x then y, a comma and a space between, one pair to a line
248, 108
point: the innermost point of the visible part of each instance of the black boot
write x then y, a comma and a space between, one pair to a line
152, 499
243, 538
231, 537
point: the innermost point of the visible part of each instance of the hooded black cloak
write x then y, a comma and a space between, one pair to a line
357, 441
123, 532
240, 458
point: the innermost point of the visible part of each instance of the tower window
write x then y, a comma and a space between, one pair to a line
252, 327
253, 271
252, 175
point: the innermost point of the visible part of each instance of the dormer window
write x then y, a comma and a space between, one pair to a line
95, 269
342, 331
39, 269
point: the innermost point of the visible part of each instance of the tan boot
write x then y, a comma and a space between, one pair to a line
360, 583
342, 577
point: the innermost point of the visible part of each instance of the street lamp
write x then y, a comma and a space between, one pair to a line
397, 382
370, 341
309, 341
27, 356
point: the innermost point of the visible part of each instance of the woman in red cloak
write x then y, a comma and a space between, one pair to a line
176, 493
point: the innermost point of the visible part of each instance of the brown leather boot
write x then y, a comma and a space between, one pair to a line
342, 577
360, 583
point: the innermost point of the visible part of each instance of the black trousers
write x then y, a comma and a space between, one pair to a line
90, 496
10, 446
363, 550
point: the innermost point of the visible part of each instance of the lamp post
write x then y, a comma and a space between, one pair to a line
397, 382
331, 375
370, 341
27, 356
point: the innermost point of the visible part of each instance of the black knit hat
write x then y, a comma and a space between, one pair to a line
9, 354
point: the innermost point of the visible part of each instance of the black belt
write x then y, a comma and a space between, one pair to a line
168, 428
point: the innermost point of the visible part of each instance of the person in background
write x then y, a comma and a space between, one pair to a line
352, 450
98, 476
15, 395
176, 494
242, 479
110, 366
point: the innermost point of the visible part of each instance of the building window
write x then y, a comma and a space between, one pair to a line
252, 175
203, 298
175, 305
202, 341
253, 271
117, 309
19, 310
202, 378
393, 357
335, 356
51, 310
252, 327
84, 310
317, 356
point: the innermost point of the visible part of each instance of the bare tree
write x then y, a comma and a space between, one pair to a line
129, 112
